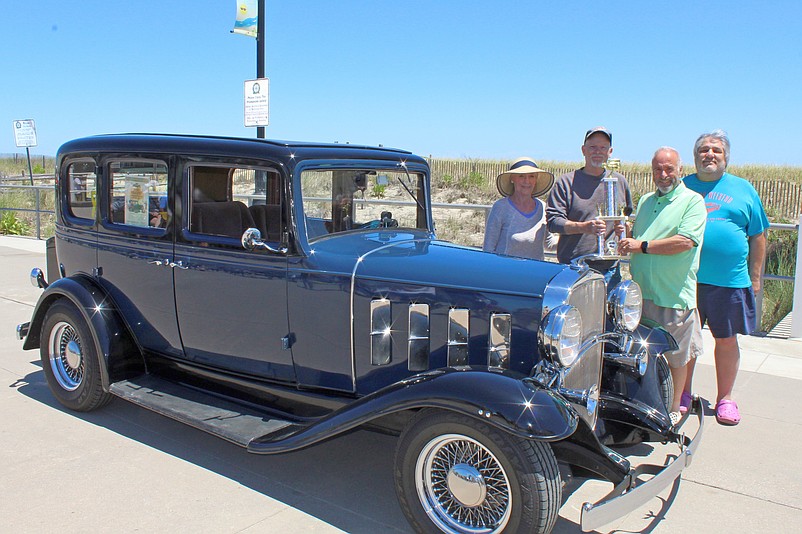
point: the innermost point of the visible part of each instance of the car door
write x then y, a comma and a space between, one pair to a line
231, 303
135, 248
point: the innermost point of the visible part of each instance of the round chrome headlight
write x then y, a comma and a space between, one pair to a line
561, 334
625, 303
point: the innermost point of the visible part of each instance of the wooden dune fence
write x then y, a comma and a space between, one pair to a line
784, 199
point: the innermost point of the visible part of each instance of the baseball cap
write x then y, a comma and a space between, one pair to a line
599, 129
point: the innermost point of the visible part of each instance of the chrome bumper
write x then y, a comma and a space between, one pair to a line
629, 494
22, 330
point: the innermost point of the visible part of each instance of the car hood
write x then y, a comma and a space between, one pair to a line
427, 261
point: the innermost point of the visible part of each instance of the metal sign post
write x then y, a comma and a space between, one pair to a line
260, 56
25, 135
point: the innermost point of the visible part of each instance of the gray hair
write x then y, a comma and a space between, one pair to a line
721, 135
669, 149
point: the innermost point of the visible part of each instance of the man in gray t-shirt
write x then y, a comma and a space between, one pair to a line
574, 200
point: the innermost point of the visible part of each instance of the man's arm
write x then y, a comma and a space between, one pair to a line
557, 213
757, 257
666, 246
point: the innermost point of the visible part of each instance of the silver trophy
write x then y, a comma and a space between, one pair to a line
611, 212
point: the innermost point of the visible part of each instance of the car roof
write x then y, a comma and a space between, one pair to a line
228, 146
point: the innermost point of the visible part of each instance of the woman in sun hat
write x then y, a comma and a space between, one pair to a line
516, 225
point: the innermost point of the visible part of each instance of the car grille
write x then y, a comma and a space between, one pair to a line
589, 297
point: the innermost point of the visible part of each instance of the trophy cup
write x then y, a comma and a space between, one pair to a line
611, 211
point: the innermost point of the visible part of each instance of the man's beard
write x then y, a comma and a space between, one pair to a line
667, 190
599, 165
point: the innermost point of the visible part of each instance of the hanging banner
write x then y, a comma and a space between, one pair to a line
247, 18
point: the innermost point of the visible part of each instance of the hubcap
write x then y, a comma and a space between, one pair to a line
66, 356
462, 486
466, 484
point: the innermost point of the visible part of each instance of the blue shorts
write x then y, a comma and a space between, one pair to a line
727, 310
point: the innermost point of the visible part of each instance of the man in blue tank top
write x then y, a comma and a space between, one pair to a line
731, 263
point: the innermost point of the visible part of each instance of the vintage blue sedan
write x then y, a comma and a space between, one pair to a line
278, 294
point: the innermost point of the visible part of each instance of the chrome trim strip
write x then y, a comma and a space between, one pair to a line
629, 495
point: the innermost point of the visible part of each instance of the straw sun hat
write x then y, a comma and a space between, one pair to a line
524, 166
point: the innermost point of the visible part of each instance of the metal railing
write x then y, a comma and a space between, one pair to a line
796, 327
37, 192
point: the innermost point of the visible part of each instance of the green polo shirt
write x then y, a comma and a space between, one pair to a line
669, 280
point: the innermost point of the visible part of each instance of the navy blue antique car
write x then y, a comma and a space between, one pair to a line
278, 294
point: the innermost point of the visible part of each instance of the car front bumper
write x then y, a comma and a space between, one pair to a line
633, 492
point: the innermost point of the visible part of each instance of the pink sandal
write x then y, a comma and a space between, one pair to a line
685, 402
727, 412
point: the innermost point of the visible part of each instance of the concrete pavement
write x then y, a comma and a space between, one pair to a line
125, 469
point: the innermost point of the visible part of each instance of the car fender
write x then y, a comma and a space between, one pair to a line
502, 399
115, 346
654, 337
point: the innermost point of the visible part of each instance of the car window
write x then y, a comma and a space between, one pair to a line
81, 189
138, 193
227, 200
357, 199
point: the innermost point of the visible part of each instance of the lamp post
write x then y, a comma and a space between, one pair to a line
260, 53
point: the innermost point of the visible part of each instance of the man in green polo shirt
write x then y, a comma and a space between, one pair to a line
665, 243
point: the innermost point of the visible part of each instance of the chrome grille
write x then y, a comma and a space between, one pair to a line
589, 297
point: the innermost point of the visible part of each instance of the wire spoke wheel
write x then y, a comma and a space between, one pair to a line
66, 356
70, 358
457, 474
463, 486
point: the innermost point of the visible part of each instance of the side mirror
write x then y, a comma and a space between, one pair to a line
252, 239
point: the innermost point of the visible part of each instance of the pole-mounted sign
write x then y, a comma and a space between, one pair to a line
257, 102
251, 22
25, 133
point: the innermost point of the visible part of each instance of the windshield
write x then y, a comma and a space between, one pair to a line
346, 200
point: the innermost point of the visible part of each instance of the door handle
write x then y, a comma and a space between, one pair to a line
159, 262
179, 264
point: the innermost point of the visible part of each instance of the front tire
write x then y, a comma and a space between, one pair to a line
70, 360
666, 381
456, 474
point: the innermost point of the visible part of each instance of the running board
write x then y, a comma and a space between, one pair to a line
228, 420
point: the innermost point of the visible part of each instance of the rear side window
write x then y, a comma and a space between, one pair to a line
227, 200
82, 189
138, 193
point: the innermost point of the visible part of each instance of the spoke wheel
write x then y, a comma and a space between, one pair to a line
462, 485
70, 360
459, 475
66, 356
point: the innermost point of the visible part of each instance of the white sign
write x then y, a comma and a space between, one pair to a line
256, 102
25, 132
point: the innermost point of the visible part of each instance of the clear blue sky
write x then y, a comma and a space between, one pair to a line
477, 79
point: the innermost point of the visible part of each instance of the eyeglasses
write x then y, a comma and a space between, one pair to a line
597, 148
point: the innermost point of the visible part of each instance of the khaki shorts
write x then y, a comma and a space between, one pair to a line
684, 325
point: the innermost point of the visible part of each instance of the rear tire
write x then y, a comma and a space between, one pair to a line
70, 359
456, 474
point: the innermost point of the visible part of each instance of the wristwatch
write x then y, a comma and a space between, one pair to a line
644, 245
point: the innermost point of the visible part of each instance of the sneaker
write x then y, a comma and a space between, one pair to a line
727, 412
675, 418
685, 402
